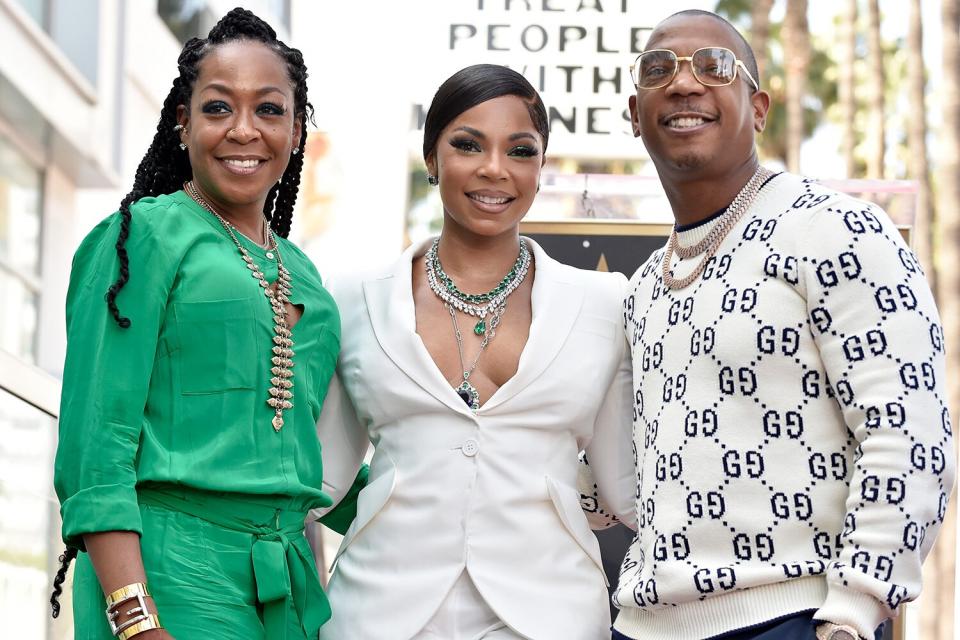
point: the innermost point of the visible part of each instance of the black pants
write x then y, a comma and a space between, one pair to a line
799, 626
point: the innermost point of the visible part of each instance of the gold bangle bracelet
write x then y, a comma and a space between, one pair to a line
136, 615
127, 593
151, 622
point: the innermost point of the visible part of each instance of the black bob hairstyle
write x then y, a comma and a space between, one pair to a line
472, 86
165, 167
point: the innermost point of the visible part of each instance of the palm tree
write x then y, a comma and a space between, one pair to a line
760, 35
948, 288
918, 168
876, 132
820, 87
845, 84
948, 263
949, 187
796, 45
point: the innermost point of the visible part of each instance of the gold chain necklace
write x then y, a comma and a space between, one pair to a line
282, 360
709, 245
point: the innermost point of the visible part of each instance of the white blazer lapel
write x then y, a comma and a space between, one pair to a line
555, 302
390, 305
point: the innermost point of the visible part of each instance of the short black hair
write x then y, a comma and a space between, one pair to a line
749, 58
472, 86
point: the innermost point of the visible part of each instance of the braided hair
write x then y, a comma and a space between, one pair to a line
165, 167
65, 559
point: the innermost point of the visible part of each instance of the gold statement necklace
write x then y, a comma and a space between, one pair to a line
281, 381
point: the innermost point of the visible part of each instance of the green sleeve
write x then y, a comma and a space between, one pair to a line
106, 378
342, 515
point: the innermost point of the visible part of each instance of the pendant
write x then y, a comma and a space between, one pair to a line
280, 393
481, 327
469, 394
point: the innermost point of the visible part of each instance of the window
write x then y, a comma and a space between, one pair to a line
184, 17
20, 195
30, 535
74, 27
194, 18
38, 10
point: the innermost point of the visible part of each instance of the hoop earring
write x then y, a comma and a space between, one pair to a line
432, 180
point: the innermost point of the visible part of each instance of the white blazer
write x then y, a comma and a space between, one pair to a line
492, 492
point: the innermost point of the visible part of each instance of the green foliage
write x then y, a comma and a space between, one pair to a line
821, 80
736, 11
820, 103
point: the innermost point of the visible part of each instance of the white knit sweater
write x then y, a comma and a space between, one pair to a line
794, 447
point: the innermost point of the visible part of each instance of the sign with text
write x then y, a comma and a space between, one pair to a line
576, 53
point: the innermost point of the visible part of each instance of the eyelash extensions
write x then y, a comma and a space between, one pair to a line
468, 144
219, 106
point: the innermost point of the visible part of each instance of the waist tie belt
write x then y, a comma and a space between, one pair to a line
283, 565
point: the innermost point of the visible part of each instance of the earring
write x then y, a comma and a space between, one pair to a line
295, 151
177, 129
432, 180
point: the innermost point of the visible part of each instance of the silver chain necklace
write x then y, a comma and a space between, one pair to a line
436, 278
495, 308
709, 245
282, 360
467, 392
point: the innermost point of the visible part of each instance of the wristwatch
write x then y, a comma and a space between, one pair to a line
830, 631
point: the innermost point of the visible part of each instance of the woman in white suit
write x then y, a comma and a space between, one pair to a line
478, 367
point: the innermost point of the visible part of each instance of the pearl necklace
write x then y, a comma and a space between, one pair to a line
709, 245
282, 360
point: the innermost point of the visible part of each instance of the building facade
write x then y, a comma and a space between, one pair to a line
81, 86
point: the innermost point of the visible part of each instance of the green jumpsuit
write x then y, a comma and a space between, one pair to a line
165, 429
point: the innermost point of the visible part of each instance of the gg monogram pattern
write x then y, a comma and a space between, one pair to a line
792, 442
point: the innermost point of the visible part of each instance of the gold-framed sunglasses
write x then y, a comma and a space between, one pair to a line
712, 67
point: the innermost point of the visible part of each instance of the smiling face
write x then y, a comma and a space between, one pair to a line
692, 129
488, 161
240, 128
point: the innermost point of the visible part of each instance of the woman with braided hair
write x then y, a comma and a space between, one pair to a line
188, 457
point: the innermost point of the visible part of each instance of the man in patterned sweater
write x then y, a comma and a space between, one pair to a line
792, 443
